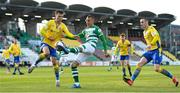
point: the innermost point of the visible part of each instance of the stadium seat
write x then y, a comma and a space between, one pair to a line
170, 55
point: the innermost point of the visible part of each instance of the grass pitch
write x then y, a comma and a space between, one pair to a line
92, 79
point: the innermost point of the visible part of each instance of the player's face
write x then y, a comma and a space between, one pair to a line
143, 23
6, 47
59, 17
15, 41
89, 21
122, 37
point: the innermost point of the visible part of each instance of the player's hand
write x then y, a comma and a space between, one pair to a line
78, 38
148, 47
51, 38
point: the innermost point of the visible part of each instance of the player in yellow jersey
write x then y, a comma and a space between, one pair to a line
52, 33
6, 55
15, 50
154, 49
124, 46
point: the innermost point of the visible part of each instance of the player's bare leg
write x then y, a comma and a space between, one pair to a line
41, 57
142, 62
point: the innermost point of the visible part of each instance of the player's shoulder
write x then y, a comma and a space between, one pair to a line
127, 41
51, 21
151, 28
119, 41
95, 26
3, 50
12, 44
63, 25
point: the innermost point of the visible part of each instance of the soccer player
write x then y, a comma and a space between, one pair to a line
6, 55
91, 34
52, 33
154, 52
15, 50
114, 59
124, 46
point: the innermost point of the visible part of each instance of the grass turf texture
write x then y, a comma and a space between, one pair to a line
92, 79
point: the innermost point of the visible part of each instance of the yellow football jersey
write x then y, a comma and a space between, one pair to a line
123, 46
15, 49
57, 32
6, 54
152, 38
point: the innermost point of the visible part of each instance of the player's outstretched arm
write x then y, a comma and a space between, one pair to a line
102, 37
67, 33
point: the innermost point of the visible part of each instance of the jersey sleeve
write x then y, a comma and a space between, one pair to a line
155, 35
99, 32
102, 37
11, 49
132, 49
129, 43
67, 32
44, 29
20, 50
82, 34
116, 49
3, 55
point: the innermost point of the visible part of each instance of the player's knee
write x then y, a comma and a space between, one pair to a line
54, 61
128, 65
74, 64
157, 69
123, 66
16, 65
138, 66
46, 54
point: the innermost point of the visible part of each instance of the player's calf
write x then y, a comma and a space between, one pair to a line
75, 74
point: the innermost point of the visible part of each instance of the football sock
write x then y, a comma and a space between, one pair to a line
75, 74
166, 73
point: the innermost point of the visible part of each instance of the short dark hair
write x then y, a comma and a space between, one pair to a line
147, 19
59, 11
122, 34
90, 16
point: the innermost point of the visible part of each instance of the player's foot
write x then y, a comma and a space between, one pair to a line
31, 69
21, 73
124, 75
175, 81
57, 83
76, 86
128, 81
14, 73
